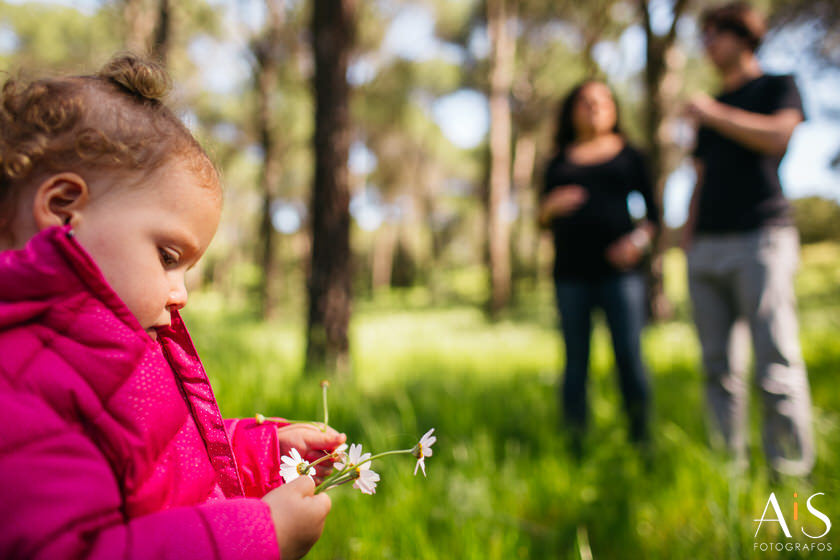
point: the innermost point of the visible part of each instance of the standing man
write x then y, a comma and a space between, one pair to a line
742, 247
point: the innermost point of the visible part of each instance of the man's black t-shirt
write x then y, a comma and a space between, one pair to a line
582, 237
741, 189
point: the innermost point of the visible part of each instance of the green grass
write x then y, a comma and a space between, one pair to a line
501, 483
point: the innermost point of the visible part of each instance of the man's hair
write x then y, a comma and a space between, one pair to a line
739, 18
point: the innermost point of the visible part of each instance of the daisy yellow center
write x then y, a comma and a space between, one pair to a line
357, 472
303, 468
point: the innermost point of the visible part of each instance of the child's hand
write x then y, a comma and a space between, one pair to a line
312, 444
298, 515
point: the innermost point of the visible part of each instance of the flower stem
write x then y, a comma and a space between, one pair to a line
261, 419
330, 484
324, 385
334, 480
322, 459
313, 422
341, 477
384, 453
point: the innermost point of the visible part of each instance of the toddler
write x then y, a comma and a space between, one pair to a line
111, 441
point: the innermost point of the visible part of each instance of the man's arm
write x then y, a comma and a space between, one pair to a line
768, 134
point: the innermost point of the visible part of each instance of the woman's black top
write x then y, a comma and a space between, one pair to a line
582, 237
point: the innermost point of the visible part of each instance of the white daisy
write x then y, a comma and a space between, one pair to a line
340, 453
367, 479
294, 466
422, 450
357, 463
351, 458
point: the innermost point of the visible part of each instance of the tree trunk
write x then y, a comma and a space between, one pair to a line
524, 158
139, 25
658, 99
267, 53
382, 259
498, 224
162, 32
429, 181
333, 23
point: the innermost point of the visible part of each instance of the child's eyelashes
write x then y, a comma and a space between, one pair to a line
168, 257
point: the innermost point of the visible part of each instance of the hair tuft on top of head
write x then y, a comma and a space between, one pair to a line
115, 119
141, 77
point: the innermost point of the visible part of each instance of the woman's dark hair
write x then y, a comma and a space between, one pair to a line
566, 133
738, 18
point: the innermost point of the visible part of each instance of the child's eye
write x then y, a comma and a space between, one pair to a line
168, 258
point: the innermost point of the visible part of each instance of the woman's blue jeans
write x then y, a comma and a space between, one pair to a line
622, 297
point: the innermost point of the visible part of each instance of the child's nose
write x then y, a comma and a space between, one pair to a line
177, 296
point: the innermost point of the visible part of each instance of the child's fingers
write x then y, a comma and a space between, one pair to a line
324, 441
303, 485
331, 433
308, 432
322, 502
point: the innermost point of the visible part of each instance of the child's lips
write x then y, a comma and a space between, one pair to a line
153, 331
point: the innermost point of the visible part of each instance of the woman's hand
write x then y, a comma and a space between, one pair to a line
626, 251
312, 444
562, 201
686, 239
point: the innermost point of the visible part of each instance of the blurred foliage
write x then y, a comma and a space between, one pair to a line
55, 38
429, 191
823, 19
817, 218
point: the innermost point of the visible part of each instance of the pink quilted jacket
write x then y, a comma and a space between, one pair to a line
112, 444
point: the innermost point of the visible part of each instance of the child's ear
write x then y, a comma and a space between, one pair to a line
59, 200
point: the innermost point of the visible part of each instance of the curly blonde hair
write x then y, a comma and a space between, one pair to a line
112, 120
